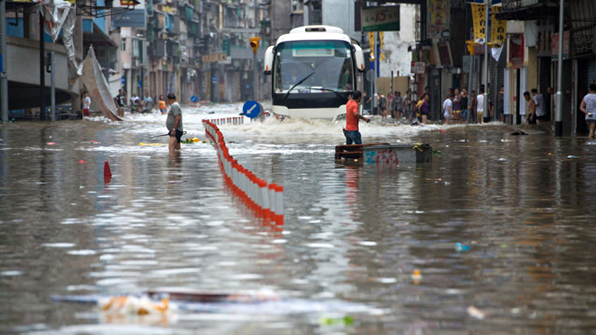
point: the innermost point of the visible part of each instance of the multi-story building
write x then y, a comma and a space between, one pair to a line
88, 22
199, 49
128, 30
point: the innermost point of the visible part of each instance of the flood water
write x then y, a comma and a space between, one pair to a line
522, 207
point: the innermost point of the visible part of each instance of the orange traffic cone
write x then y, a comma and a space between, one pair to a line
107, 173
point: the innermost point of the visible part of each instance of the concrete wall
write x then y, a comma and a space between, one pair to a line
20, 49
400, 84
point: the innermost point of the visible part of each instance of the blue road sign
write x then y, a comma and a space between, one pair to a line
252, 109
194, 99
123, 80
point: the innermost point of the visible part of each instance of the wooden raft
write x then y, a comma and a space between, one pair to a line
352, 151
383, 154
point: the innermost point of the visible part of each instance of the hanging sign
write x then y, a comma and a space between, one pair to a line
498, 28
383, 18
438, 17
479, 20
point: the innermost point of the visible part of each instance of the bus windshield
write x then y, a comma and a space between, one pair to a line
313, 67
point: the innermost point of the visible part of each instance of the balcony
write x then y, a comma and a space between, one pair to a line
158, 49
174, 26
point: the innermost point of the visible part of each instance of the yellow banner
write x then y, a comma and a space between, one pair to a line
381, 46
479, 20
371, 42
498, 29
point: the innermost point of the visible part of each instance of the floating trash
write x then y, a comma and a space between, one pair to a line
476, 313
416, 277
130, 305
192, 141
143, 143
250, 303
345, 321
461, 247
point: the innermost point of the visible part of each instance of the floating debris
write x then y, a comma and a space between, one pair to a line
416, 277
461, 247
476, 313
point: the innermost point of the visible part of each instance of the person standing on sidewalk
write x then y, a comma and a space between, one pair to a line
530, 108
86, 104
588, 107
424, 108
382, 106
448, 108
120, 101
407, 108
398, 105
464, 105
539, 105
174, 123
456, 111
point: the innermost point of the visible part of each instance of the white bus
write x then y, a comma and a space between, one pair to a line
313, 69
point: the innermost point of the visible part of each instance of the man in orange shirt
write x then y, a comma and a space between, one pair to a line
352, 118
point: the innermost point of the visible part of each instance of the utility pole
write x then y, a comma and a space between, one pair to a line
3, 69
52, 58
42, 73
559, 95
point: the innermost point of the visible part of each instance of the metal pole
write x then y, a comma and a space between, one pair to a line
254, 76
486, 59
42, 74
391, 85
559, 95
3, 72
470, 83
377, 55
372, 93
53, 87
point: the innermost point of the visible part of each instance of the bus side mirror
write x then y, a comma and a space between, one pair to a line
268, 62
359, 56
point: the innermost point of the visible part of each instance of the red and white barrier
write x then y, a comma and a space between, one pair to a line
266, 200
235, 120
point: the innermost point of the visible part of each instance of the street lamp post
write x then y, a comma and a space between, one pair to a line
559, 95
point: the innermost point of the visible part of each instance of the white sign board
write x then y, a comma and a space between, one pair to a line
383, 18
418, 67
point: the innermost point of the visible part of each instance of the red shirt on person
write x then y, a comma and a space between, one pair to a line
351, 119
